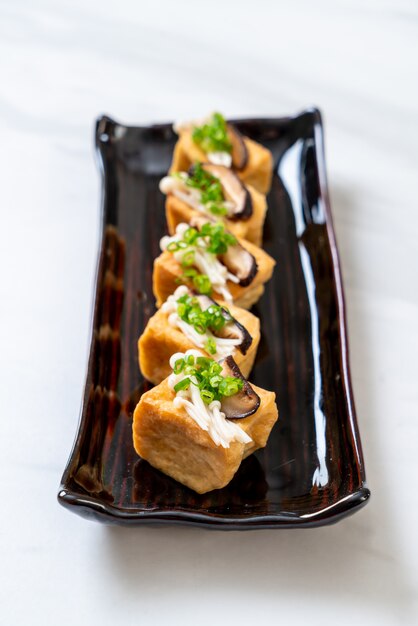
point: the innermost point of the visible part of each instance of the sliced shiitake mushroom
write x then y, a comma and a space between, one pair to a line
235, 330
232, 329
239, 149
245, 402
241, 263
236, 259
234, 191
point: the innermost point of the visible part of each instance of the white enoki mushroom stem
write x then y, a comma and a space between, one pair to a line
220, 158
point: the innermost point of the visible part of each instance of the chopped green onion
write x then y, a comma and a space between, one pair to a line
183, 384
207, 396
211, 192
190, 272
210, 346
214, 239
188, 258
206, 374
230, 386
215, 380
190, 311
199, 328
213, 136
215, 368
216, 209
190, 235
179, 366
202, 283
203, 361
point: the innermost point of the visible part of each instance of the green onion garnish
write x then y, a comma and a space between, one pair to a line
183, 384
212, 318
218, 238
188, 258
211, 193
229, 386
179, 366
190, 272
207, 396
210, 345
215, 239
207, 374
203, 361
202, 283
190, 235
213, 136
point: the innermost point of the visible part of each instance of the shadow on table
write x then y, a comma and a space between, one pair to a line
356, 560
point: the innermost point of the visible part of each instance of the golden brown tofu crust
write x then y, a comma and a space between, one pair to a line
172, 442
167, 272
251, 229
160, 340
258, 171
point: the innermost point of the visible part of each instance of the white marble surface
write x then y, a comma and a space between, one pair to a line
63, 63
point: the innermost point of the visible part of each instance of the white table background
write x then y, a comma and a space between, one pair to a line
61, 65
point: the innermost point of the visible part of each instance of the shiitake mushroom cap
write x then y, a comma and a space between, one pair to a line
239, 149
245, 402
234, 190
237, 259
232, 328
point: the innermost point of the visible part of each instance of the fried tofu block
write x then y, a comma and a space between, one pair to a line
251, 229
258, 171
160, 340
167, 272
171, 441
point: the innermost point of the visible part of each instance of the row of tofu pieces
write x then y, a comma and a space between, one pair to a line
221, 274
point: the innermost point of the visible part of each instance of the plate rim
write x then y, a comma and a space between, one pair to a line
92, 507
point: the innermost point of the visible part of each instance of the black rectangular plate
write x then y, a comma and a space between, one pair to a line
312, 471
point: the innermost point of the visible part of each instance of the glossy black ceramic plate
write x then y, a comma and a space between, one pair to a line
312, 470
